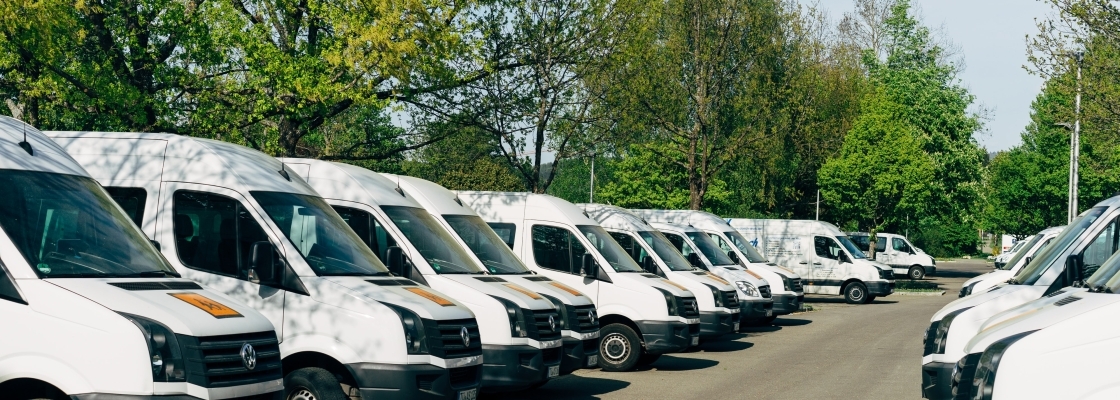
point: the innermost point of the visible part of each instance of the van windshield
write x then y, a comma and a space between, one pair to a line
666, 251
486, 245
745, 247
1020, 255
851, 247
67, 226
432, 240
619, 260
1045, 257
1101, 278
323, 239
709, 248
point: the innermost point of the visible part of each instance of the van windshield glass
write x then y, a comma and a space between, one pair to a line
432, 241
1045, 257
609, 249
323, 239
851, 247
1100, 279
745, 247
709, 248
1022, 254
486, 245
666, 251
67, 226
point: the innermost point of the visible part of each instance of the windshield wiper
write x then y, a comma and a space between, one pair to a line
148, 274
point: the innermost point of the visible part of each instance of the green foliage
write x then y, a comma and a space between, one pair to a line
463, 161
651, 176
573, 180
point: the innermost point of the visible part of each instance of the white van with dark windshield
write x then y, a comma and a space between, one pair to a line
1003, 273
247, 226
642, 315
91, 310
897, 252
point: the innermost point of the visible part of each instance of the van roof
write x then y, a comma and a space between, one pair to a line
695, 218
340, 181
613, 217
128, 156
435, 198
48, 155
507, 206
738, 223
676, 227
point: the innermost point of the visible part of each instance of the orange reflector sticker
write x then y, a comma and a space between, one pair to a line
718, 279
215, 309
675, 285
566, 288
430, 296
524, 291
756, 276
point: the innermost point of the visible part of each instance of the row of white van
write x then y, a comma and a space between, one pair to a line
1041, 326
151, 265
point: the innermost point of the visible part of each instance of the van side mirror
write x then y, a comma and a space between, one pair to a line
650, 266
1027, 260
844, 258
694, 259
156, 243
394, 257
733, 256
588, 267
262, 263
1073, 271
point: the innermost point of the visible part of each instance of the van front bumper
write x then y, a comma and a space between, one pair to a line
937, 380
788, 303
515, 367
880, 288
662, 337
717, 323
413, 381
755, 309
578, 354
277, 395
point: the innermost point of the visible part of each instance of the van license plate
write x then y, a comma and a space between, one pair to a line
469, 394
554, 371
769, 313
736, 326
592, 361
695, 340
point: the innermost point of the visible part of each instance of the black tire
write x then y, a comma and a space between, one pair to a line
647, 359
917, 272
855, 293
870, 299
312, 384
619, 348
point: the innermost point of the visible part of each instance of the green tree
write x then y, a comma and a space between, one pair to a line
643, 178
463, 160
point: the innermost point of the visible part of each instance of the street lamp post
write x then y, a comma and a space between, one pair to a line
1074, 143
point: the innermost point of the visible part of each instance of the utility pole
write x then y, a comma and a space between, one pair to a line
592, 197
1075, 143
818, 205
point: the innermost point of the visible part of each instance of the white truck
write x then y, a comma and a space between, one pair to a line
90, 308
521, 336
897, 252
242, 223
1008, 250
1058, 346
642, 315
787, 296
1077, 251
701, 252
1034, 244
828, 262
719, 312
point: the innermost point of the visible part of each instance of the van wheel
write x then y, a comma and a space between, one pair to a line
312, 384
917, 272
619, 348
855, 293
870, 299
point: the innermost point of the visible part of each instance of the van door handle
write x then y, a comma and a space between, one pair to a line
816, 263
804, 263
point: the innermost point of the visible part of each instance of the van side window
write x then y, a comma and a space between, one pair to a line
504, 231
8, 289
635, 250
826, 247
368, 228
214, 233
679, 243
881, 245
132, 200
862, 242
899, 245
723, 245
557, 249
1103, 247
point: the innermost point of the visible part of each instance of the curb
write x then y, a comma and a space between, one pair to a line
902, 293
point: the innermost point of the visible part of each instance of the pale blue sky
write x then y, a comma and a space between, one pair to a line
991, 36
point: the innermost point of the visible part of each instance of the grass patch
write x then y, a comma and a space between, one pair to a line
806, 308
918, 290
909, 285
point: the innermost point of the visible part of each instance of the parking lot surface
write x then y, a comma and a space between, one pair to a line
839, 350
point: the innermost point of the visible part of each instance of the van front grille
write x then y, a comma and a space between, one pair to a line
464, 376
687, 307
551, 356
764, 291
583, 318
730, 300
216, 361
796, 285
445, 338
540, 328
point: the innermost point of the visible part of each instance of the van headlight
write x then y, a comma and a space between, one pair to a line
670, 302
517, 326
716, 295
415, 339
941, 337
163, 350
748, 289
984, 382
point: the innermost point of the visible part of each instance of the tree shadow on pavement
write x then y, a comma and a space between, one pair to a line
760, 328
571, 387
670, 363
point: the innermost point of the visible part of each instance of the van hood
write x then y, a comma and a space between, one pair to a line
543, 285
778, 269
424, 301
732, 274
648, 279
499, 286
1039, 314
975, 300
986, 281
182, 305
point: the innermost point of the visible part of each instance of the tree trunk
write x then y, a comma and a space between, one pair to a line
289, 137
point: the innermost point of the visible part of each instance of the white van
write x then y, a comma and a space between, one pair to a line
757, 304
245, 225
642, 315
578, 322
787, 296
1058, 346
1034, 244
897, 252
1085, 244
1008, 251
719, 312
521, 335
90, 308
826, 259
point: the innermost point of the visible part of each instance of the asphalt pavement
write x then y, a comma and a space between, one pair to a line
870, 351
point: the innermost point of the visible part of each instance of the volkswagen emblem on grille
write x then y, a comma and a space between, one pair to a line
591, 316
466, 335
248, 356
552, 322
